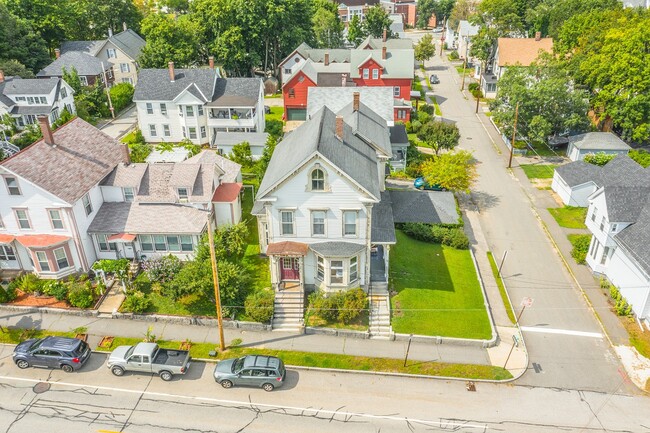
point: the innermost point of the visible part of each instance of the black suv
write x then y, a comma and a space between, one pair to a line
68, 354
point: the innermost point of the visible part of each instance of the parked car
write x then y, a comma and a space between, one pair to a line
149, 358
433, 79
68, 354
266, 372
420, 183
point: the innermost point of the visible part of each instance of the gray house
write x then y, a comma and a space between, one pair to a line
595, 142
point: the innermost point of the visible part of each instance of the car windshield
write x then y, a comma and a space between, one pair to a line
238, 364
36, 344
129, 352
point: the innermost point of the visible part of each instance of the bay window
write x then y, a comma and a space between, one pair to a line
61, 258
320, 266
43, 263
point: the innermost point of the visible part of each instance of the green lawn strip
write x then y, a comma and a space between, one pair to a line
128, 138
438, 111
538, 171
257, 265
337, 361
275, 114
424, 74
438, 291
460, 70
15, 336
570, 217
502, 288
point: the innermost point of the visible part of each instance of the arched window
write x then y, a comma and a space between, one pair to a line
317, 180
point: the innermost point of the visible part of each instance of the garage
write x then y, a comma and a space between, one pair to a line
296, 114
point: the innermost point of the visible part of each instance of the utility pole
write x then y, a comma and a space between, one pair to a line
514, 134
215, 279
462, 85
478, 99
108, 92
442, 38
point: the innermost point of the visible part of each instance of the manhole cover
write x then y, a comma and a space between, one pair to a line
41, 387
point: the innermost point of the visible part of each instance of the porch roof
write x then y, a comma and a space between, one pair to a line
337, 248
40, 241
122, 237
6, 239
148, 218
287, 248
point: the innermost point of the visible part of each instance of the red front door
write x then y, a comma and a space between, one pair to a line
289, 269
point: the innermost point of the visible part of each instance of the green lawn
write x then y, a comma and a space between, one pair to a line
275, 114
438, 291
539, 171
257, 266
570, 217
460, 70
330, 360
502, 288
436, 106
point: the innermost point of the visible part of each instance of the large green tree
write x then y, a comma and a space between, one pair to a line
21, 43
356, 32
97, 16
425, 49
169, 40
462, 10
454, 171
548, 16
439, 135
15, 68
328, 28
376, 21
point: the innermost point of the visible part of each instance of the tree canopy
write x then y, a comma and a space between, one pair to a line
425, 49
439, 135
454, 171
376, 21
328, 28
21, 43
168, 40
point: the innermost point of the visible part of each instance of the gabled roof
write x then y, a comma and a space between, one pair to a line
90, 47
229, 170
154, 84
84, 63
227, 192
377, 99
351, 155
28, 86
624, 203
522, 51
236, 92
368, 125
598, 141
80, 148
578, 173
620, 171
126, 175
467, 29
397, 64
129, 42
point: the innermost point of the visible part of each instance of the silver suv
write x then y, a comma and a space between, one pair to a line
68, 354
267, 372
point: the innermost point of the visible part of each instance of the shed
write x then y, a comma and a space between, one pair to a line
595, 142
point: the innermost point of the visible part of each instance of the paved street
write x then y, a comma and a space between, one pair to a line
566, 347
123, 124
94, 400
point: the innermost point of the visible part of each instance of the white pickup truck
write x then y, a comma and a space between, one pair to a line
149, 358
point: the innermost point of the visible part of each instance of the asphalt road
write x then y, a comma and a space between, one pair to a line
93, 400
564, 340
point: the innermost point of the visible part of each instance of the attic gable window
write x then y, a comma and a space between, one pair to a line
292, 93
183, 194
317, 180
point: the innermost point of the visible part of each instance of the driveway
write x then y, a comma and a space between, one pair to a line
120, 126
565, 342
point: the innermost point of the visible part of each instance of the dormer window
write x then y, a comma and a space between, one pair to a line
129, 193
317, 179
183, 194
375, 74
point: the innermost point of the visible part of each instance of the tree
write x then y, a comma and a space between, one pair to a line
72, 79
96, 17
15, 68
462, 10
600, 158
425, 49
169, 40
356, 31
548, 16
549, 102
327, 25
51, 19
376, 21
263, 162
439, 135
121, 95
454, 171
242, 155
20, 45
176, 6
64, 117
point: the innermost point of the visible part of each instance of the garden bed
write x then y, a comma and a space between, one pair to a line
29, 300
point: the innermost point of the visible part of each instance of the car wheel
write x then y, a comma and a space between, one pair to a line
166, 376
21, 363
117, 371
67, 368
268, 387
226, 384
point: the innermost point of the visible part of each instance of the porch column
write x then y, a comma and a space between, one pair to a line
274, 271
301, 269
386, 260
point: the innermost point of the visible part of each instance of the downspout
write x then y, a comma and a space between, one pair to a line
77, 241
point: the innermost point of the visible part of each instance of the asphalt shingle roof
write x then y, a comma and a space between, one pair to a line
29, 86
368, 125
229, 170
90, 47
377, 43
337, 248
624, 203
236, 92
154, 84
635, 239
129, 42
80, 148
620, 171
578, 172
383, 225
433, 207
397, 64
398, 134
378, 99
351, 155
84, 63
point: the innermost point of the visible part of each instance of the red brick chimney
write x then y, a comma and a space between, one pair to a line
384, 36
57, 53
538, 36
2, 75
339, 127
211, 62
327, 59
172, 75
355, 101
383, 52
44, 122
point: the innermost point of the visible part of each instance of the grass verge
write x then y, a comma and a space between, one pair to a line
345, 362
502, 288
639, 339
275, 114
438, 292
538, 171
438, 111
570, 217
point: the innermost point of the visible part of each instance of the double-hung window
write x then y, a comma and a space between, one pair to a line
152, 130
149, 108
129, 193
200, 110
104, 245
64, 92
12, 185
110, 52
318, 223
603, 259
146, 242
366, 73
23, 219
84, 80
159, 242
7, 253
336, 271
88, 206
287, 222
183, 194
349, 223
354, 269
125, 67
203, 132
163, 109
375, 74
317, 180
320, 266
189, 110
602, 223
55, 219
61, 258
166, 131
396, 91
192, 131
43, 263
186, 243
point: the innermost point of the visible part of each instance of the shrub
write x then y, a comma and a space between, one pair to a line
419, 231
580, 247
340, 306
614, 293
622, 308
119, 267
456, 238
80, 295
416, 125
399, 174
58, 289
29, 283
425, 108
7, 294
641, 156
324, 306
423, 117
453, 55
354, 302
136, 302
408, 127
162, 269
259, 306
600, 158
439, 234
242, 155
473, 86
121, 95
274, 127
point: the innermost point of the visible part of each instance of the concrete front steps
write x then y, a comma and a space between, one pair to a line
379, 322
289, 310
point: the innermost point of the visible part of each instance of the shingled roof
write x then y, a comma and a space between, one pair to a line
80, 148
522, 51
84, 63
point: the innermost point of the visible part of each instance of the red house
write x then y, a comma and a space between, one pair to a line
374, 63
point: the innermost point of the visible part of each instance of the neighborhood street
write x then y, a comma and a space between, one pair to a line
567, 349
